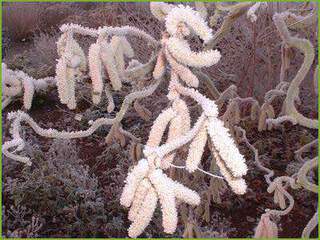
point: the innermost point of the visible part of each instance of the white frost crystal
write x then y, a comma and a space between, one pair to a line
95, 71
180, 50
132, 181
227, 148
17, 83
160, 9
191, 18
196, 150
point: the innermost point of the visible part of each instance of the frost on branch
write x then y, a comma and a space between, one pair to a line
18, 117
106, 59
176, 53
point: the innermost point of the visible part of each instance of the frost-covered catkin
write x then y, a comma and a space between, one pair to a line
61, 44
139, 197
16, 83
107, 56
175, 131
121, 48
183, 72
196, 149
95, 71
179, 125
160, 9
77, 51
180, 50
61, 75
185, 194
71, 64
144, 215
209, 107
111, 104
71, 104
132, 181
192, 18
159, 126
28, 92
165, 192
160, 67
66, 43
238, 185
183, 110
227, 148
173, 94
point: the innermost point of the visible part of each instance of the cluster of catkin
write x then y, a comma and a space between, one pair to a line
70, 67
104, 56
145, 185
109, 56
147, 182
17, 83
106, 59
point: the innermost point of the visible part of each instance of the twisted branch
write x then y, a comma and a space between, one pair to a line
306, 47
19, 117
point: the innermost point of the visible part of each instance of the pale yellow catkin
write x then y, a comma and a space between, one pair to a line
139, 197
160, 67
159, 126
196, 149
95, 72
179, 125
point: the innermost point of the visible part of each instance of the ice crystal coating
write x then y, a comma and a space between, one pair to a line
144, 186
180, 50
160, 10
95, 71
227, 149
132, 181
192, 18
17, 83
196, 150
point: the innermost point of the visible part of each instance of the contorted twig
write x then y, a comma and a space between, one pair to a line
278, 187
305, 148
234, 12
306, 47
270, 173
18, 117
